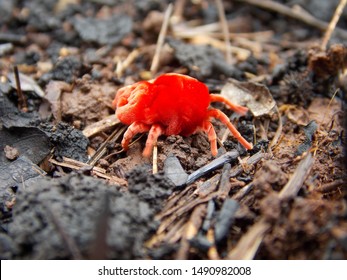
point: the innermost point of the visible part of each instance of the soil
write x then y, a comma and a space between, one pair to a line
69, 191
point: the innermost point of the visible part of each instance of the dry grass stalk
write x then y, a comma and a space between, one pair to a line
97, 171
225, 29
155, 159
333, 23
100, 126
103, 148
22, 104
296, 13
161, 38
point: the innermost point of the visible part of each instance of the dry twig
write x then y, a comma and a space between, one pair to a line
298, 178
97, 171
225, 29
103, 148
161, 37
333, 23
21, 98
212, 251
100, 126
238, 169
178, 10
155, 159
296, 13
122, 65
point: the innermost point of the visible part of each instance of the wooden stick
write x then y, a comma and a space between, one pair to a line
155, 159
224, 24
161, 37
103, 148
22, 104
100, 126
298, 178
97, 171
178, 11
333, 23
297, 14
121, 66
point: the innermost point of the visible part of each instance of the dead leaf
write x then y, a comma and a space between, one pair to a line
26, 84
255, 96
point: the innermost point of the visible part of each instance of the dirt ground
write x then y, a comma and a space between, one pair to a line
69, 191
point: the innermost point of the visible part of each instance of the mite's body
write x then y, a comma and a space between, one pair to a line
172, 104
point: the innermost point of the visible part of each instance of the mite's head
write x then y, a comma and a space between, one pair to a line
130, 100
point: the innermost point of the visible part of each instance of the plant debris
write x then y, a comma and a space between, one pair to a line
255, 96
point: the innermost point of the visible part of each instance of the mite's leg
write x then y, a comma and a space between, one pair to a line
236, 108
217, 114
132, 130
207, 127
155, 131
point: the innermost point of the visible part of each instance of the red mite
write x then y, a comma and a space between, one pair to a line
172, 104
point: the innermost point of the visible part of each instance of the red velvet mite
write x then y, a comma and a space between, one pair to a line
172, 104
